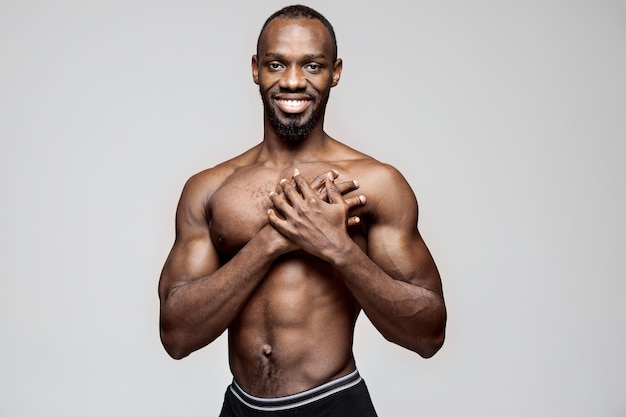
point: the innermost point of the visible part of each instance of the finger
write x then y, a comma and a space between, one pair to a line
290, 191
279, 202
355, 201
353, 221
273, 218
347, 186
318, 182
343, 187
334, 196
303, 185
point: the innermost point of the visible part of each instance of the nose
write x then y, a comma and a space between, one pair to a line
293, 79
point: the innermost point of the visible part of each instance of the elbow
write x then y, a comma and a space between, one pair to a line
432, 340
172, 346
429, 347
424, 344
175, 353
173, 341
179, 342
174, 337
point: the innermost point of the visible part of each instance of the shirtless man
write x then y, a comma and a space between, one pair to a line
280, 246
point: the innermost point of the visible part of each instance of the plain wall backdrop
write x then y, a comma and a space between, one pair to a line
508, 119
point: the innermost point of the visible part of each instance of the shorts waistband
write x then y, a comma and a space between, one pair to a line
299, 399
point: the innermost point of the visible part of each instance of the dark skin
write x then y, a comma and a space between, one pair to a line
280, 246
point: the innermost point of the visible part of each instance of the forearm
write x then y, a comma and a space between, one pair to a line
198, 311
407, 314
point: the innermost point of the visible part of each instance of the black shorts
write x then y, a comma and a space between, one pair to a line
344, 397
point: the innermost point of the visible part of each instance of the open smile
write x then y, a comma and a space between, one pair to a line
292, 105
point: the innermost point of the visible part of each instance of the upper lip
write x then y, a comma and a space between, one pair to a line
291, 96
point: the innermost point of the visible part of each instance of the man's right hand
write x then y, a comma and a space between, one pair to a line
319, 185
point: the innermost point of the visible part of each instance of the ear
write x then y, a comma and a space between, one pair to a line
337, 68
255, 69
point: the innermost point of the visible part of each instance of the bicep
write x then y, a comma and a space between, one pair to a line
403, 255
190, 259
193, 254
394, 241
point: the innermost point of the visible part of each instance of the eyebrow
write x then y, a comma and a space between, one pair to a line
277, 55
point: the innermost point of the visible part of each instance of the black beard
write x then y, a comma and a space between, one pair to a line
293, 131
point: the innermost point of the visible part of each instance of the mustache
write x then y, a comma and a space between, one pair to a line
303, 91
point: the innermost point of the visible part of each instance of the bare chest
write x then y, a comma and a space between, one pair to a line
238, 209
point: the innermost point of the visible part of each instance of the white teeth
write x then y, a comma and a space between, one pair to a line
293, 103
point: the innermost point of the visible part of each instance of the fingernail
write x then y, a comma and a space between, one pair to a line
296, 172
356, 183
272, 193
284, 180
362, 199
330, 176
357, 220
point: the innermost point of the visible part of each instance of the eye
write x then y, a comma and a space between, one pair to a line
313, 67
275, 66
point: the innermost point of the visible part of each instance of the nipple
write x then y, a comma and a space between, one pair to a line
266, 350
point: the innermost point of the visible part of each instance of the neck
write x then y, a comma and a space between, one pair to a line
282, 151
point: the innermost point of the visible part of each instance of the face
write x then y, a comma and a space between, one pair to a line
295, 71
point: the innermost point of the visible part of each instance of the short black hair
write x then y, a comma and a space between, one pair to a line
299, 11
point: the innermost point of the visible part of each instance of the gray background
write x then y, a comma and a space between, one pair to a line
507, 118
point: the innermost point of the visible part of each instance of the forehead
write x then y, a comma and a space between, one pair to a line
302, 36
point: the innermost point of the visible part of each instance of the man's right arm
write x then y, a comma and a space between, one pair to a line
199, 296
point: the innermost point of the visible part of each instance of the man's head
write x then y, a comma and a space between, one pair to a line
295, 67
300, 12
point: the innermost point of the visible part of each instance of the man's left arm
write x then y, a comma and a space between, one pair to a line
396, 282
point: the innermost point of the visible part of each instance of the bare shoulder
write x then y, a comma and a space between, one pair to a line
365, 165
388, 193
386, 189
390, 198
200, 186
191, 213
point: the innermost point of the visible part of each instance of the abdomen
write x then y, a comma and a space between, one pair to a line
295, 332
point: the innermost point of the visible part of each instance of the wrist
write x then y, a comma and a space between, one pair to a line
272, 241
346, 254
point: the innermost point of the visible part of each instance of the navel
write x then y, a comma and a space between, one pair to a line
266, 350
